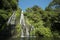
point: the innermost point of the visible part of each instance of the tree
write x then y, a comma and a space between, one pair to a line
6, 9
54, 14
55, 5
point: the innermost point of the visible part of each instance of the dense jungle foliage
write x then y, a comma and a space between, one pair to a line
46, 22
7, 7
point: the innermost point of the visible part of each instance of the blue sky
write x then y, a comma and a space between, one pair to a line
23, 4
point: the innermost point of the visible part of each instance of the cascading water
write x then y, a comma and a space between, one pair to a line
12, 19
24, 28
11, 23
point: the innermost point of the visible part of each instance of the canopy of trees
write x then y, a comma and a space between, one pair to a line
7, 7
46, 22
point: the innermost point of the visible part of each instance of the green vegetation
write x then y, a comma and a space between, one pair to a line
46, 22
7, 7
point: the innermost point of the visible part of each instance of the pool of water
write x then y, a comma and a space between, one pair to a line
34, 38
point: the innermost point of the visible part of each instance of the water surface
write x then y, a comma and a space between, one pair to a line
35, 38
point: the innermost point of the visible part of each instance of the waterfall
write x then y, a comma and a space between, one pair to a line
24, 28
11, 23
12, 19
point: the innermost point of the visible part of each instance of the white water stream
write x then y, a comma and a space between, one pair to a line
24, 28
12, 19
